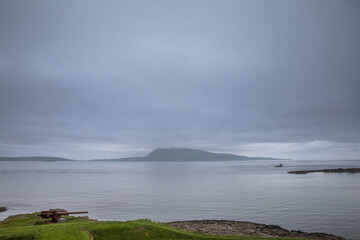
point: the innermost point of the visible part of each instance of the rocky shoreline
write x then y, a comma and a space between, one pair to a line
337, 170
239, 228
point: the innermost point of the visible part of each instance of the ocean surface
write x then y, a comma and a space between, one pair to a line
166, 191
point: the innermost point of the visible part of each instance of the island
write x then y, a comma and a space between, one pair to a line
188, 155
336, 170
160, 154
43, 159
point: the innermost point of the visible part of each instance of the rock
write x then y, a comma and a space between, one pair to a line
87, 218
238, 228
58, 210
3, 209
337, 170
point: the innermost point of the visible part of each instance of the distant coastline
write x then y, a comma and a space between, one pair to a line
160, 154
34, 158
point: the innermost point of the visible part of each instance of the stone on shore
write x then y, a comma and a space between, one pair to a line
337, 170
239, 228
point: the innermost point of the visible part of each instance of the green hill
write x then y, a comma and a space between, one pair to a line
29, 226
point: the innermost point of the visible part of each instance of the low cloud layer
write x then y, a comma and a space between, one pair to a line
91, 79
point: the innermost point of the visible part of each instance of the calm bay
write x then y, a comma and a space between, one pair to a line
165, 191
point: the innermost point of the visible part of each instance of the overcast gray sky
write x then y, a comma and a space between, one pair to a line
101, 79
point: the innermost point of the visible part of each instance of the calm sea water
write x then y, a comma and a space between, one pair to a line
166, 191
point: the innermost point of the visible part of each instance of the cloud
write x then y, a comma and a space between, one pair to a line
314, 150
163, 73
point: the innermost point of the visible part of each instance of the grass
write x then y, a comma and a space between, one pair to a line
31, 227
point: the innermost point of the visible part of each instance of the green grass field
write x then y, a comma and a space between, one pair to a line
29, 226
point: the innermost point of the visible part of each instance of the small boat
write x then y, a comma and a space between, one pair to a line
280, 165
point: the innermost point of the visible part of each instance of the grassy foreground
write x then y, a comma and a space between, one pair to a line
29, 226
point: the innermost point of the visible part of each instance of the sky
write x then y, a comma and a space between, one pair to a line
107, 79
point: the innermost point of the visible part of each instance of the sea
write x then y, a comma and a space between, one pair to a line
253, 190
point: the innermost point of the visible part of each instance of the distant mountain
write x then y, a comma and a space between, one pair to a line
160, 154
185, 154
44, 159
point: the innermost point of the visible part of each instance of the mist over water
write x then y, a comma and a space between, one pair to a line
166, 191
